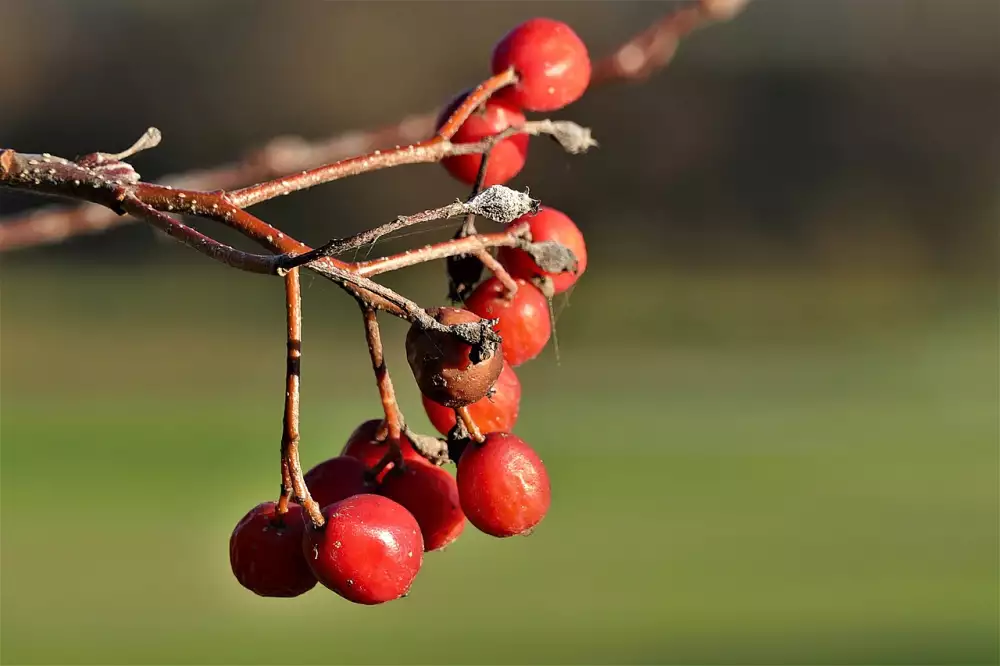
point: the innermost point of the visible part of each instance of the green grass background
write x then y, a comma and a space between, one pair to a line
783, 467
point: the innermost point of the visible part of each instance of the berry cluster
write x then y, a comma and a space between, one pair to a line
384, 501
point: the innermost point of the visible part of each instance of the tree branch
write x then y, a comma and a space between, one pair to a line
635, 60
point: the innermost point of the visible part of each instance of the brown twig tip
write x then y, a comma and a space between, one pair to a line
502, 204
150, 139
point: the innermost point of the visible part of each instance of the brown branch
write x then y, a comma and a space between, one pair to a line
115, 185
254, 263
290, 465
654, 48
635, 60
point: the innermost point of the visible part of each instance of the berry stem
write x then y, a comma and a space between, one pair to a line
291, 468
495, 267
473, 101
463, 415
394, 422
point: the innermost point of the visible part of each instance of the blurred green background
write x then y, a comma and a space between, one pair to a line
772, 422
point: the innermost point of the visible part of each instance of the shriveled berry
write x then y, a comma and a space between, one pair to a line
369, 551
525, 324
265, 552
441, 364
551, 62
334, 479
497, 412
548, 224
506, 159
364, 445
503, 485
431, 495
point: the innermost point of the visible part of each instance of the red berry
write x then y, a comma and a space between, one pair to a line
265, 552
441, 365
503, 485
431, 495
494, 413
337, 478
551, 62
507, 158
363, 445
548, 224
369, 551
524, 325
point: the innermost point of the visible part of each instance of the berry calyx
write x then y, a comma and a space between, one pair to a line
503, 485
524, 321
431, 495
265, 552
497, 412
441, 364
548, 224
337, 478
551, 62
364, 445
369, 551
507, 157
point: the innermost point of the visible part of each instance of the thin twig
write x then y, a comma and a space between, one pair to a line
501, 204
449, 248
654, 47
495, 267
393, 416
290, 421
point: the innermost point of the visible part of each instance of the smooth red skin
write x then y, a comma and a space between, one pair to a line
503, 486
496, 413
266, 558
337, 478
369, 551
363, 446
431, 495
547, 224
551, 61
507, 158
525, 324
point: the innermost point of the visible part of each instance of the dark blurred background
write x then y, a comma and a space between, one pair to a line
772, 420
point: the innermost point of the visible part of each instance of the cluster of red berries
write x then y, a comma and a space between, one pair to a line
381, 517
